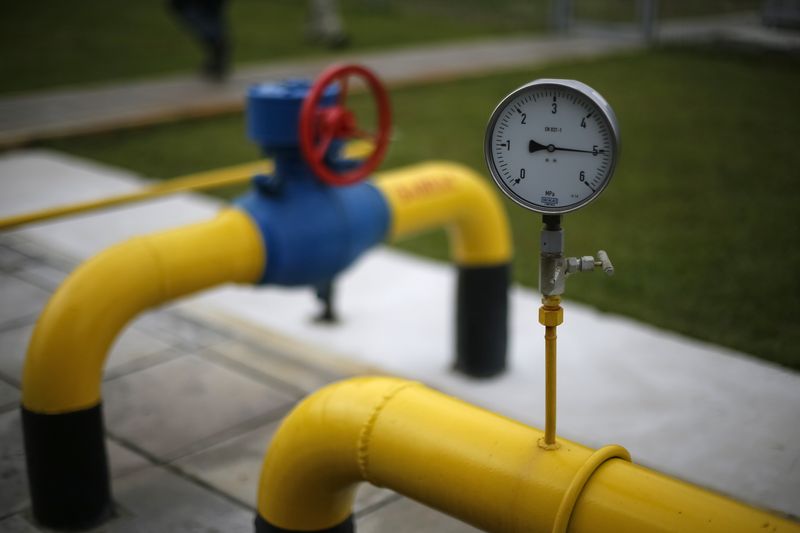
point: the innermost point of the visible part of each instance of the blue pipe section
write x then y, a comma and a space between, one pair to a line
312, 231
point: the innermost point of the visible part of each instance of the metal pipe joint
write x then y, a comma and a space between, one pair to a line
554, 268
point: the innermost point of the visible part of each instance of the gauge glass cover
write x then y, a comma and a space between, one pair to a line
551, 145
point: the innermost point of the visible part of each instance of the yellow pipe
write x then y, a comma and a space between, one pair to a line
211, 179
443, 194
551, 315
64, 364
550, 386
474, 465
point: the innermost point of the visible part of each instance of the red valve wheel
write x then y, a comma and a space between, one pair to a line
320, 126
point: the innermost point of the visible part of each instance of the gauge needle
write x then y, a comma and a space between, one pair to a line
533, 146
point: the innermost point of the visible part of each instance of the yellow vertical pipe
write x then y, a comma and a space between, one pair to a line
551, 315
550, 386
212, 179
474, 465
64, 365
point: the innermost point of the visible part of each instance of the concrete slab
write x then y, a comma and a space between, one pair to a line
9, 397
20, 300
14, 496
13, 345
123, 460
702, 413
55, 179
134, 349
37, 253
296, 374
10, 258
155, 499
234, 467
182, 405
16, 524
43, 276
180, 331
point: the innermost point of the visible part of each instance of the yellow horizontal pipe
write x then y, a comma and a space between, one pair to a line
64, 365
443, 194
211, 179
474, 465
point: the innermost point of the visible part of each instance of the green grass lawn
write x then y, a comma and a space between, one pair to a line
701, 218
50, 43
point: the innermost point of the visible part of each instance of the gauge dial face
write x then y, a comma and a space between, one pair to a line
551, 145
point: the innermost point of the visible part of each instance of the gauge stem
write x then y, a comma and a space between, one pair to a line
550, 385
552, 222
551, 315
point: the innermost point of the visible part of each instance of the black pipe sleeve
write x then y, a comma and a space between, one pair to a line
262, 526
482, 319
67, 468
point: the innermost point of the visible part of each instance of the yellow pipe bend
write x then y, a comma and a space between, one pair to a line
472, 464
64, 365
445, 194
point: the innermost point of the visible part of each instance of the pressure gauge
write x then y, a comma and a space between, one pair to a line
551, 145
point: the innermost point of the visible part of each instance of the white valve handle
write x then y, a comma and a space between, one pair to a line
604, 262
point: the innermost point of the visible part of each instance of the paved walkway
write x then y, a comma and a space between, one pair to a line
709, 415
83, 110
79, 110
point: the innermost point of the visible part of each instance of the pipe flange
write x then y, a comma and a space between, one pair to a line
580, 480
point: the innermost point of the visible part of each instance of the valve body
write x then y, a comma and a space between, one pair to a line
313, 231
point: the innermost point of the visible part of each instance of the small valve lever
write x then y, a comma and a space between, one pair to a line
604, 262
587, 263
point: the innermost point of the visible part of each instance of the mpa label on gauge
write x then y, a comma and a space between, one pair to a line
551, 145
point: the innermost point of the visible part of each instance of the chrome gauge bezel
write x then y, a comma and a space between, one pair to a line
606, 114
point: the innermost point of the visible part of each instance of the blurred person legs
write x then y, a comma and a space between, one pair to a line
205, 20
325, 24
